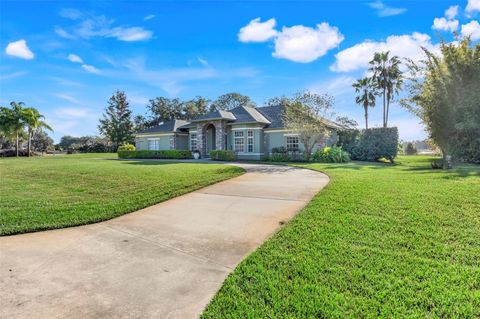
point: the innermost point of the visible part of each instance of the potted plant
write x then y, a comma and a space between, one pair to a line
196, 154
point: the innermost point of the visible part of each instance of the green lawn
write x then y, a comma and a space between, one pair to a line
59, 191
387, 241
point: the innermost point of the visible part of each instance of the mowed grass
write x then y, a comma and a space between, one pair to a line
68, 190
380, 241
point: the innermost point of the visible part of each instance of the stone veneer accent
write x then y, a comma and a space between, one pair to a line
220, 135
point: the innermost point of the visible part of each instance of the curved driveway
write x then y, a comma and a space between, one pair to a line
164, 261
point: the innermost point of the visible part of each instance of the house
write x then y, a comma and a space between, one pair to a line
249, 131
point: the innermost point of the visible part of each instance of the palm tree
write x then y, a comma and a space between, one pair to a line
15, 122
367, 95
387, 78
33, 120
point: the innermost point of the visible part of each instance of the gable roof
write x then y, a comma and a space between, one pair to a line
165, 127
274, 114
215, 115
245, 114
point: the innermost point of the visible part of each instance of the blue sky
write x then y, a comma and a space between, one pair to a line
67, 57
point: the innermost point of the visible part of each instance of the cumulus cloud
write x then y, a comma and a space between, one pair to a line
471, 29
19, 49
451, 12
74, 58
385, 11
91, 69
297, 43
404, 46
305, 44
445, 25
473, 6
256, 31
89, 26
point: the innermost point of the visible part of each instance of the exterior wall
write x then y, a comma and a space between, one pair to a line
258, 136
279, 138
141, 142
220, 135
181, 142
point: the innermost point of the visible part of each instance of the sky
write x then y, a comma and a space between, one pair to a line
66, 58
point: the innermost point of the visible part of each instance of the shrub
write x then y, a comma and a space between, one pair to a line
222, 155
331, 155
281, 154
163, 154
347, 139
371, 144
279, 150
126, 147
410, 149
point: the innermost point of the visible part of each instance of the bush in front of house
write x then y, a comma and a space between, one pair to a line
281, 154
126, 147
162, 154
222, 155
332, 154
371, 144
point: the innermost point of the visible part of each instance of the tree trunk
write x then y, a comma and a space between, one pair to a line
29, 142
16, 146
386, 115
366, 117
384, 102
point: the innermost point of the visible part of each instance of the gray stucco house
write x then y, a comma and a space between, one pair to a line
249, 131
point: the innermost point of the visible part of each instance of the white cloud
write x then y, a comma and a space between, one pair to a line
13, 75
472, 6
471, 29
19, 49
90, 26
256, 31
305, 44
149, 17
74, 58
72, 112
66, 97
64, 34
202, 61
129, 34
70, 13
444, 24
384, 10
91, 69
404, 46
451, 12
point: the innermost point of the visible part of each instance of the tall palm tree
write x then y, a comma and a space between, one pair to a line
16, 123
367, 95
33, 120
387, 77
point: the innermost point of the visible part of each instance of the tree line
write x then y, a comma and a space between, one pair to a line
19, 123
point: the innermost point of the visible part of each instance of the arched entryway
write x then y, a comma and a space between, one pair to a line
210, 137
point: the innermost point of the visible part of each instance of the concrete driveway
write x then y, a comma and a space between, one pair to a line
165, 261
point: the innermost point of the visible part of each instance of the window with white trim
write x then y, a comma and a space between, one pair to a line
238, 141
154, 145
250, 141
193, 141
292, 143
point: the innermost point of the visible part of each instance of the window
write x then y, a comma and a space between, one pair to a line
154, 145
292, 143
238, 141
250, 141
193, 141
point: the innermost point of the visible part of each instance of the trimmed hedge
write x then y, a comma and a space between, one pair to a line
370, 145
126, 147
163, 154
222, 155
